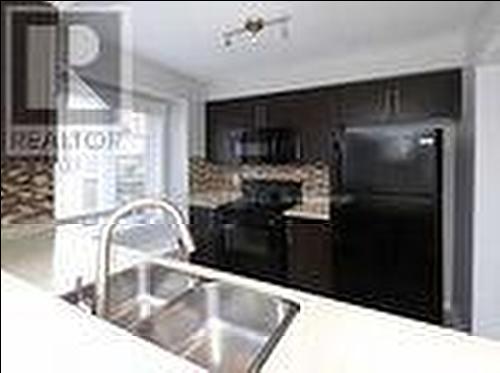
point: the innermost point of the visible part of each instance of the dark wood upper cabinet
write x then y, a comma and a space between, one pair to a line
407, 98
429, 95
309, 115
363, 102
222, 119
312, 114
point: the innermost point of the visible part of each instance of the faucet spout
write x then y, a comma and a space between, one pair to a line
104, 255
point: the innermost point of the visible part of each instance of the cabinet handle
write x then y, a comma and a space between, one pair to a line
392, 99
298, 148
396, 97
289, 238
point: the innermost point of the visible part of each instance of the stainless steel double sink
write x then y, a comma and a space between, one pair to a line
219, 326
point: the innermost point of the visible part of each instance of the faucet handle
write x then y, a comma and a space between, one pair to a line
181, 252
85, 303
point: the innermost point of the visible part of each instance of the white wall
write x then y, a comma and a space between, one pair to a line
436, 54
486, 260
187, 133
460, 315
160, 82
152, 78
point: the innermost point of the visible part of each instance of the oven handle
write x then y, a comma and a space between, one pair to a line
228, 236
228, 226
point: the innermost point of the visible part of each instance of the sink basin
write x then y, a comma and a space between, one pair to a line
221, 327
217, 325
138, 292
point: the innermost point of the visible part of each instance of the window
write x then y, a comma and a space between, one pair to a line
139, 163
131, 165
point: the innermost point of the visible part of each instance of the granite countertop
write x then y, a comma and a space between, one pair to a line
317, 208
311, 208
213, 199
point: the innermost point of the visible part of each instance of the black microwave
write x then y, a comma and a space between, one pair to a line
265, 145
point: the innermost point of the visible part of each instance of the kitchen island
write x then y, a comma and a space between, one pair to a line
42, 333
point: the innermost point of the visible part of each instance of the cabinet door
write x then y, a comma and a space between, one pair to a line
204, 229
364, 103
307, 114
409, 98
222, 119
429, 95
310, 259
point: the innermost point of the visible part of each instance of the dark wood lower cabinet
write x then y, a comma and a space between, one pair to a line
373, 259
310, 255
204, 229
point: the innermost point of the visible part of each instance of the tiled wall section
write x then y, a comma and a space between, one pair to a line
28, 186
206, 176
27, 191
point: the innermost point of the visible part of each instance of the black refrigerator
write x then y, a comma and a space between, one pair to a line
386, 218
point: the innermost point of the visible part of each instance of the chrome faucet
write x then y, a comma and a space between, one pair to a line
103, 261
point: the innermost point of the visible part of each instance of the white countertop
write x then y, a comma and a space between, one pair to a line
54, 257
43, 334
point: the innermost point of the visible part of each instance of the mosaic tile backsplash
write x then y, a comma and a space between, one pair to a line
207, 177
27, 191
28, 186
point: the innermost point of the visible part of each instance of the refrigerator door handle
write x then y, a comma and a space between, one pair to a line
426, 141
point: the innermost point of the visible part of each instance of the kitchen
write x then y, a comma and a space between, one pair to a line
336, 207
308, 173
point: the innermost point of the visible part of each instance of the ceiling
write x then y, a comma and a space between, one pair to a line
326, 39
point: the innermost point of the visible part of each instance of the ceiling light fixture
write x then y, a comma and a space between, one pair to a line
253, 27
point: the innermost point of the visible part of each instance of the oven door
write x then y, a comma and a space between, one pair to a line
254, 249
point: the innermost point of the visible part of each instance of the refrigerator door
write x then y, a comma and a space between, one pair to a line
388, 256
386, 219
391, 160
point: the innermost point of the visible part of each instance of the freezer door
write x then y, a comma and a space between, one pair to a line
391, 160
